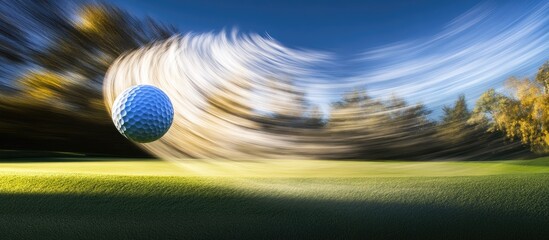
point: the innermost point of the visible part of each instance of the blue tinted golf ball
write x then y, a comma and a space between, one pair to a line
142, 113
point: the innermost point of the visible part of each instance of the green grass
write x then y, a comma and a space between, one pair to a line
124, 199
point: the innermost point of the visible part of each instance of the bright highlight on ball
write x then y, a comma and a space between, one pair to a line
142, 113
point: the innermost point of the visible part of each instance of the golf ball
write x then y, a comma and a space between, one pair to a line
142, 113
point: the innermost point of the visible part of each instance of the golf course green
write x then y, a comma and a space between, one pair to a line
205, 199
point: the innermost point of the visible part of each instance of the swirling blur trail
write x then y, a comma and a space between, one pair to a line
222, 85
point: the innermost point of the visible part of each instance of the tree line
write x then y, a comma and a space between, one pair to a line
507, 124
513, 123
54, 54
53, 57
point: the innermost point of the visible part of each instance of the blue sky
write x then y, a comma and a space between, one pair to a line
345, 27
427, 51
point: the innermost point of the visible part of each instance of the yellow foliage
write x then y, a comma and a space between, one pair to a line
36, 79
42, 94
92, 18
42, 86
526, 115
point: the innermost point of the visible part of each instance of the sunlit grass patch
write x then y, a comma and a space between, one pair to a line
104, 200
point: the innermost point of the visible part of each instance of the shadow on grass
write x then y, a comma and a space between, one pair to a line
75, 159
62, 216
16, 156
82, 159
13, 156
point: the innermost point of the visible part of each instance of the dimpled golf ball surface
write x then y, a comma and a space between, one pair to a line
142, 113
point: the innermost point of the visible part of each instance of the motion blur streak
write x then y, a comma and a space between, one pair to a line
220, 87
472, 53
243, 96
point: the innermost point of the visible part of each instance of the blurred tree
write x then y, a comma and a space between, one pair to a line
314, 118
453, 127
523, 114
542, 77
57, 53
485, 109
491, 142
413, 130
357, 111
98, 36
286, 108
458, 137
372, 128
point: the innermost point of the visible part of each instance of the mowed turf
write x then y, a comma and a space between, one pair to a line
146, 199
